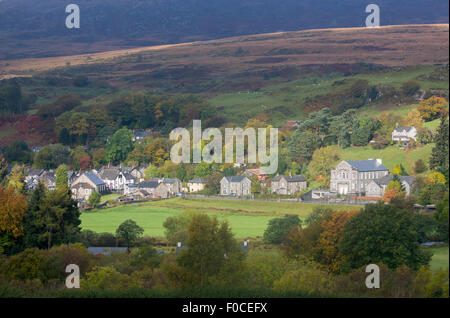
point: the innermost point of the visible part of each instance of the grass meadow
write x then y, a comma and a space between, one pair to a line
248, 219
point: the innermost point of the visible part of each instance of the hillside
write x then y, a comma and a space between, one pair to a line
287, 74
35, 28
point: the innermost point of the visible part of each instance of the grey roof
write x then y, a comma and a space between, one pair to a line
94, 178
148, 184
367, 165
197, 180
141, 133
128, 176
236, 178
109, 174
386, 179
106, 250
35, 172
298, 178
170, 180
401, 128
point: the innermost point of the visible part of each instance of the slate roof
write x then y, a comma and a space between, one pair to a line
128, 176
401, 128
367, 165
170, 180
235, 178
35, 172
298, 178
109, 174
148, 184
386, 179
94, 178
141, 133
197, 180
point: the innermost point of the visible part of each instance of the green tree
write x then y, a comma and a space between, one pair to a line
420, 166
62, 180
212, 251
301, 146
399, 170
176, 227
58, 218
94, 199
439, 155
51, 156
389, 236
130, 232
279, 227
17, 152
119, 146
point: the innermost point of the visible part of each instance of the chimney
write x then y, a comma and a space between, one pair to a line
379, 161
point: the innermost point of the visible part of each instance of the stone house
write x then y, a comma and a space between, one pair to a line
376, 188
196, 185
173, 184
352, 177
85, 184
288, 185
236, 186
155, 189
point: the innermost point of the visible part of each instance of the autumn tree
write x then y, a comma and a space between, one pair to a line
323, 160
327, 244
415, 119
16, 179
432, 108
12, 211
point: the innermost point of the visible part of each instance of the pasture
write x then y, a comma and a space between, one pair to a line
248, 219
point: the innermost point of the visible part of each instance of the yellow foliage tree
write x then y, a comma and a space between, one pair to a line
414, 119
12, 211
436, 177
432, 108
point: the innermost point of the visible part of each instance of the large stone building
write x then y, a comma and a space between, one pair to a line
288, 185
236, 186
352, 177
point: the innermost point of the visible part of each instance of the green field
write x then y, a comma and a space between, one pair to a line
440, 258
246, 218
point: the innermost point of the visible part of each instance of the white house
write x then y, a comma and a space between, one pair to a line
404, 134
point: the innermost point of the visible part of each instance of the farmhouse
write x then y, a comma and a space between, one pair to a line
196, 185
352, 177
404, 134
87, 183
236, 185
288, 185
